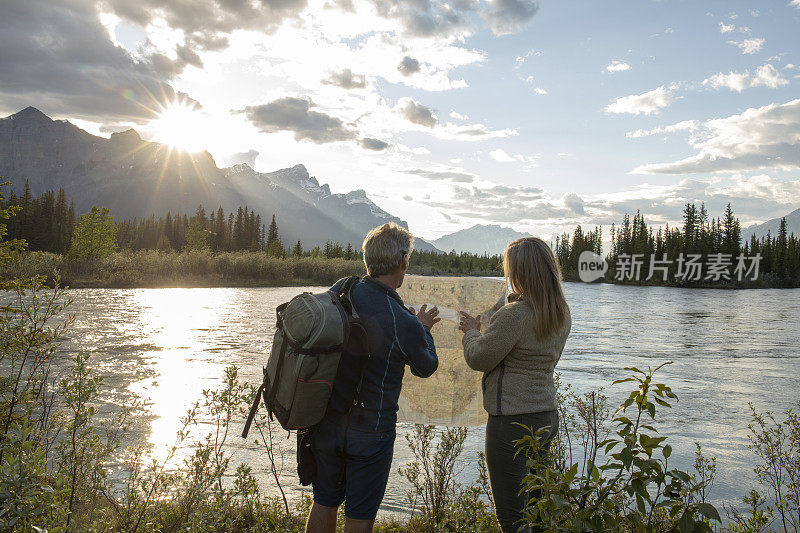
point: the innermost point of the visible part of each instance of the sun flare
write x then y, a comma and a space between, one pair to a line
181, 126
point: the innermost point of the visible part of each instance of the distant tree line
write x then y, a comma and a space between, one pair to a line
700, 251
428, 262
568, 250
47, 223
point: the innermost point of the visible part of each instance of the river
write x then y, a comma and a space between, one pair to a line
729, 348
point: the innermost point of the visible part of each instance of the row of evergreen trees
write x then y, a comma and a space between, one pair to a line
217, 232
702, 239
47, 223
456, 263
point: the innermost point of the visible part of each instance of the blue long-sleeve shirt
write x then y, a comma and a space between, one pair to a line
396, 339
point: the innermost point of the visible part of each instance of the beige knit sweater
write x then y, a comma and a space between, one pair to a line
517, 366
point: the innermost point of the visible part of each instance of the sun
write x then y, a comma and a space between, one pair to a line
181, 126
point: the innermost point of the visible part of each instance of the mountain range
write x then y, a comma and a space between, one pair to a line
137, 178
772, 226
479, 239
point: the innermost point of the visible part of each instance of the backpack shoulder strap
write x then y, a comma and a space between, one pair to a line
361, 346
345, 295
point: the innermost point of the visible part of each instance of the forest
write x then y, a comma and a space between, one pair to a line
94, 249
703, 251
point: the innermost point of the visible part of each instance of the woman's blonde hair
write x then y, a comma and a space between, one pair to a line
533, 272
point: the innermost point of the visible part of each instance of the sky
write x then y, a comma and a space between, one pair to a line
536, 115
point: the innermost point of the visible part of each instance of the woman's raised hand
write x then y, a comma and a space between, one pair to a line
467, 322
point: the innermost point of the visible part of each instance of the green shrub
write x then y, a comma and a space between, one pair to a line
634, 489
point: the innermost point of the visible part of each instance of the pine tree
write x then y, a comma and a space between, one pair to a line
238, 230
781, 247
732, 237
62, 237
297, 251
274, 245
690, 223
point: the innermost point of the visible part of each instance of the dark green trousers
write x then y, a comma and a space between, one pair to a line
506, 468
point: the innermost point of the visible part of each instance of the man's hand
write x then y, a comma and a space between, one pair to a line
427, 317
467, 322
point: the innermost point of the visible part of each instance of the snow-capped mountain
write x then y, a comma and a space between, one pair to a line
479, 239
136, 178
773, 226
354, 210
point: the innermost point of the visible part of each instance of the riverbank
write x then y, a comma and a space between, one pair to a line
153, 269
203, 269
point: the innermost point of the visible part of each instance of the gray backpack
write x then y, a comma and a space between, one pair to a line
311, 333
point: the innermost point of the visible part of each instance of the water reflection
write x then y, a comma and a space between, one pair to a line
176, 323
729, 348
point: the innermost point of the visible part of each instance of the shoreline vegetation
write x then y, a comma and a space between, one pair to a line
202, 268
237, 250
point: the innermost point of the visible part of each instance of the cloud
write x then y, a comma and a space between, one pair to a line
749, 46
686, 125
618, 66
763, 137
248, 158
524, 57
446, 174
501, 156
370, 143
726, 28
58, 56
428, 19
418, 117
419, 150
500, 203
205, 24
408, 66
472, 132
458, 116
753, 199
295, 114
449, 20
346, 80
574, 203
795, 3
647, 103
417, 113
509, 16
765, 75
531, 79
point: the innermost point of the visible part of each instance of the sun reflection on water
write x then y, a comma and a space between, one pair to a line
176, 322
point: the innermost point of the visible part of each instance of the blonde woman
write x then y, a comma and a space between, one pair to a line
517, 354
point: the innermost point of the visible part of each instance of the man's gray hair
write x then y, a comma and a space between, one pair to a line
385, 247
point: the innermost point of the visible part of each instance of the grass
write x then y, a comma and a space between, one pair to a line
148, 268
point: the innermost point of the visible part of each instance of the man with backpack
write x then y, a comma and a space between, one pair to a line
354, 443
